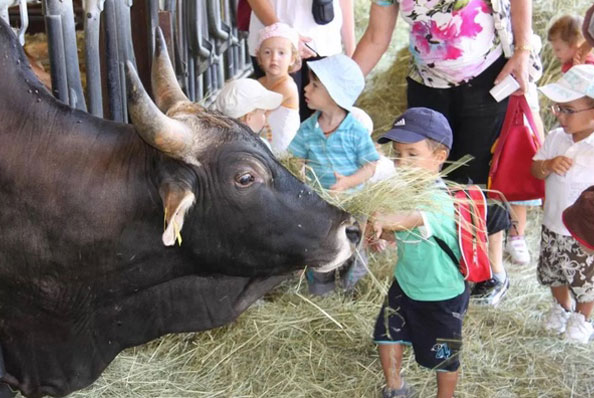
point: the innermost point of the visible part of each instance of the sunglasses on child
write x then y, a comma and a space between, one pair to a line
562, 110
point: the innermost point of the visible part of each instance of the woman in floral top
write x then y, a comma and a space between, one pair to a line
457, 58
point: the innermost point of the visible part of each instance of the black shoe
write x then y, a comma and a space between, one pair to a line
489, 292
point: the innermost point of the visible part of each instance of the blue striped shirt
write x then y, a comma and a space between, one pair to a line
345, 151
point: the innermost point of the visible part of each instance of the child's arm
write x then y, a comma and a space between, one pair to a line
385, 224
358, 177
290, 94
541, 169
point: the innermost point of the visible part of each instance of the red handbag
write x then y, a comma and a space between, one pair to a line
512, 156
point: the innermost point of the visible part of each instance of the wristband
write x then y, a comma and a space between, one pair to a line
523, 47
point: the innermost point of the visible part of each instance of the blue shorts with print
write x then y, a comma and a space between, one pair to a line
433, 328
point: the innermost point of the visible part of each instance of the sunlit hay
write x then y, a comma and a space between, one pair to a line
384, 97
407, 189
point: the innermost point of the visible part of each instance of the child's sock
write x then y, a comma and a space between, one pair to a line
500, 276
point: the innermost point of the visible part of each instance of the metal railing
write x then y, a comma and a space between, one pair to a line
202, 37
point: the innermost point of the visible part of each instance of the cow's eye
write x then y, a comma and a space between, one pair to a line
245, 179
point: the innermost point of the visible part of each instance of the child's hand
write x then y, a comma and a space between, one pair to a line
341, 184
559, 165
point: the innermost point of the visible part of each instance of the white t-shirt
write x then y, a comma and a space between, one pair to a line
562, 191
327, 39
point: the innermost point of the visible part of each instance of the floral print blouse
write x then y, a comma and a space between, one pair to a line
451, 41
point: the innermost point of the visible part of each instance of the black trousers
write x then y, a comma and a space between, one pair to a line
475, 118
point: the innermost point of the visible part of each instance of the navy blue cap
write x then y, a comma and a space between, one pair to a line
417, 124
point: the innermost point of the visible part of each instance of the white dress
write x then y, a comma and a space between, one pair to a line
283, 123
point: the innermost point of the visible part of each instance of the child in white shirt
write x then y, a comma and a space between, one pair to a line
565, 162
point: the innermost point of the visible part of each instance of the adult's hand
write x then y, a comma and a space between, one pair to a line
304, 51
517, 66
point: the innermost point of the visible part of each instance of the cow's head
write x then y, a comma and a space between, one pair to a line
235, 206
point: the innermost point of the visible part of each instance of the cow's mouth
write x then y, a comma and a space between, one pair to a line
348, 237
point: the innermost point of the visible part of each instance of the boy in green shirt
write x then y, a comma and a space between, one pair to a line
428, 298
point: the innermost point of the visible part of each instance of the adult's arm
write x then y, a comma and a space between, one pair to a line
347, 30
518, 64
377, 36
264, 11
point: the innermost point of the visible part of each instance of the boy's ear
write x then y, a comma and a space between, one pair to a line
442, 155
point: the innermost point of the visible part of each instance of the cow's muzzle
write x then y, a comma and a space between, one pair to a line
353, 233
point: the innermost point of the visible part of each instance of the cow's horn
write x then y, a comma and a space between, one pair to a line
158, 130
166, 89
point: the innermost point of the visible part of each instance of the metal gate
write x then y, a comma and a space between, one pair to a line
202, 37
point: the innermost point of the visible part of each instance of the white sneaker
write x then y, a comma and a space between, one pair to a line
556, 320
578, 329
518, 250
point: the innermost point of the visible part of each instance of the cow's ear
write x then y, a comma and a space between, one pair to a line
177, 200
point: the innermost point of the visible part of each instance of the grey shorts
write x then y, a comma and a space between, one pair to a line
563, 262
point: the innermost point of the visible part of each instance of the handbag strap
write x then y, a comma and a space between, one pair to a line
528, 113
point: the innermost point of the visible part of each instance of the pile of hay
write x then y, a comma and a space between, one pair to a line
291, 344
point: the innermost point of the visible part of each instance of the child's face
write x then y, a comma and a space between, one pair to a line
276, 56
418, 154
576, 117
256, 120
563, 51
316, 95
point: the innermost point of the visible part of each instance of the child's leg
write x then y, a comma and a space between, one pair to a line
585, 309
391, 360
446, 384
496, 252
518, 215
561, 294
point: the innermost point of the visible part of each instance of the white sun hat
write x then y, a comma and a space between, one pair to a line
576, 83
241, 96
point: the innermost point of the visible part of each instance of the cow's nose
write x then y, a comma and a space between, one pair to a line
353, 233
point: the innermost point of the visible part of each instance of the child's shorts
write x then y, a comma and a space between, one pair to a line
433, 328
563, 262
497, 218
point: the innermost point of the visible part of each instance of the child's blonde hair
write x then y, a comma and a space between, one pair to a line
568, 28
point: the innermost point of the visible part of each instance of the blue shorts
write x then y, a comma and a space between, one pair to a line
433, 328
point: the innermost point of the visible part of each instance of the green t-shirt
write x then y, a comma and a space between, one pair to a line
424, 271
